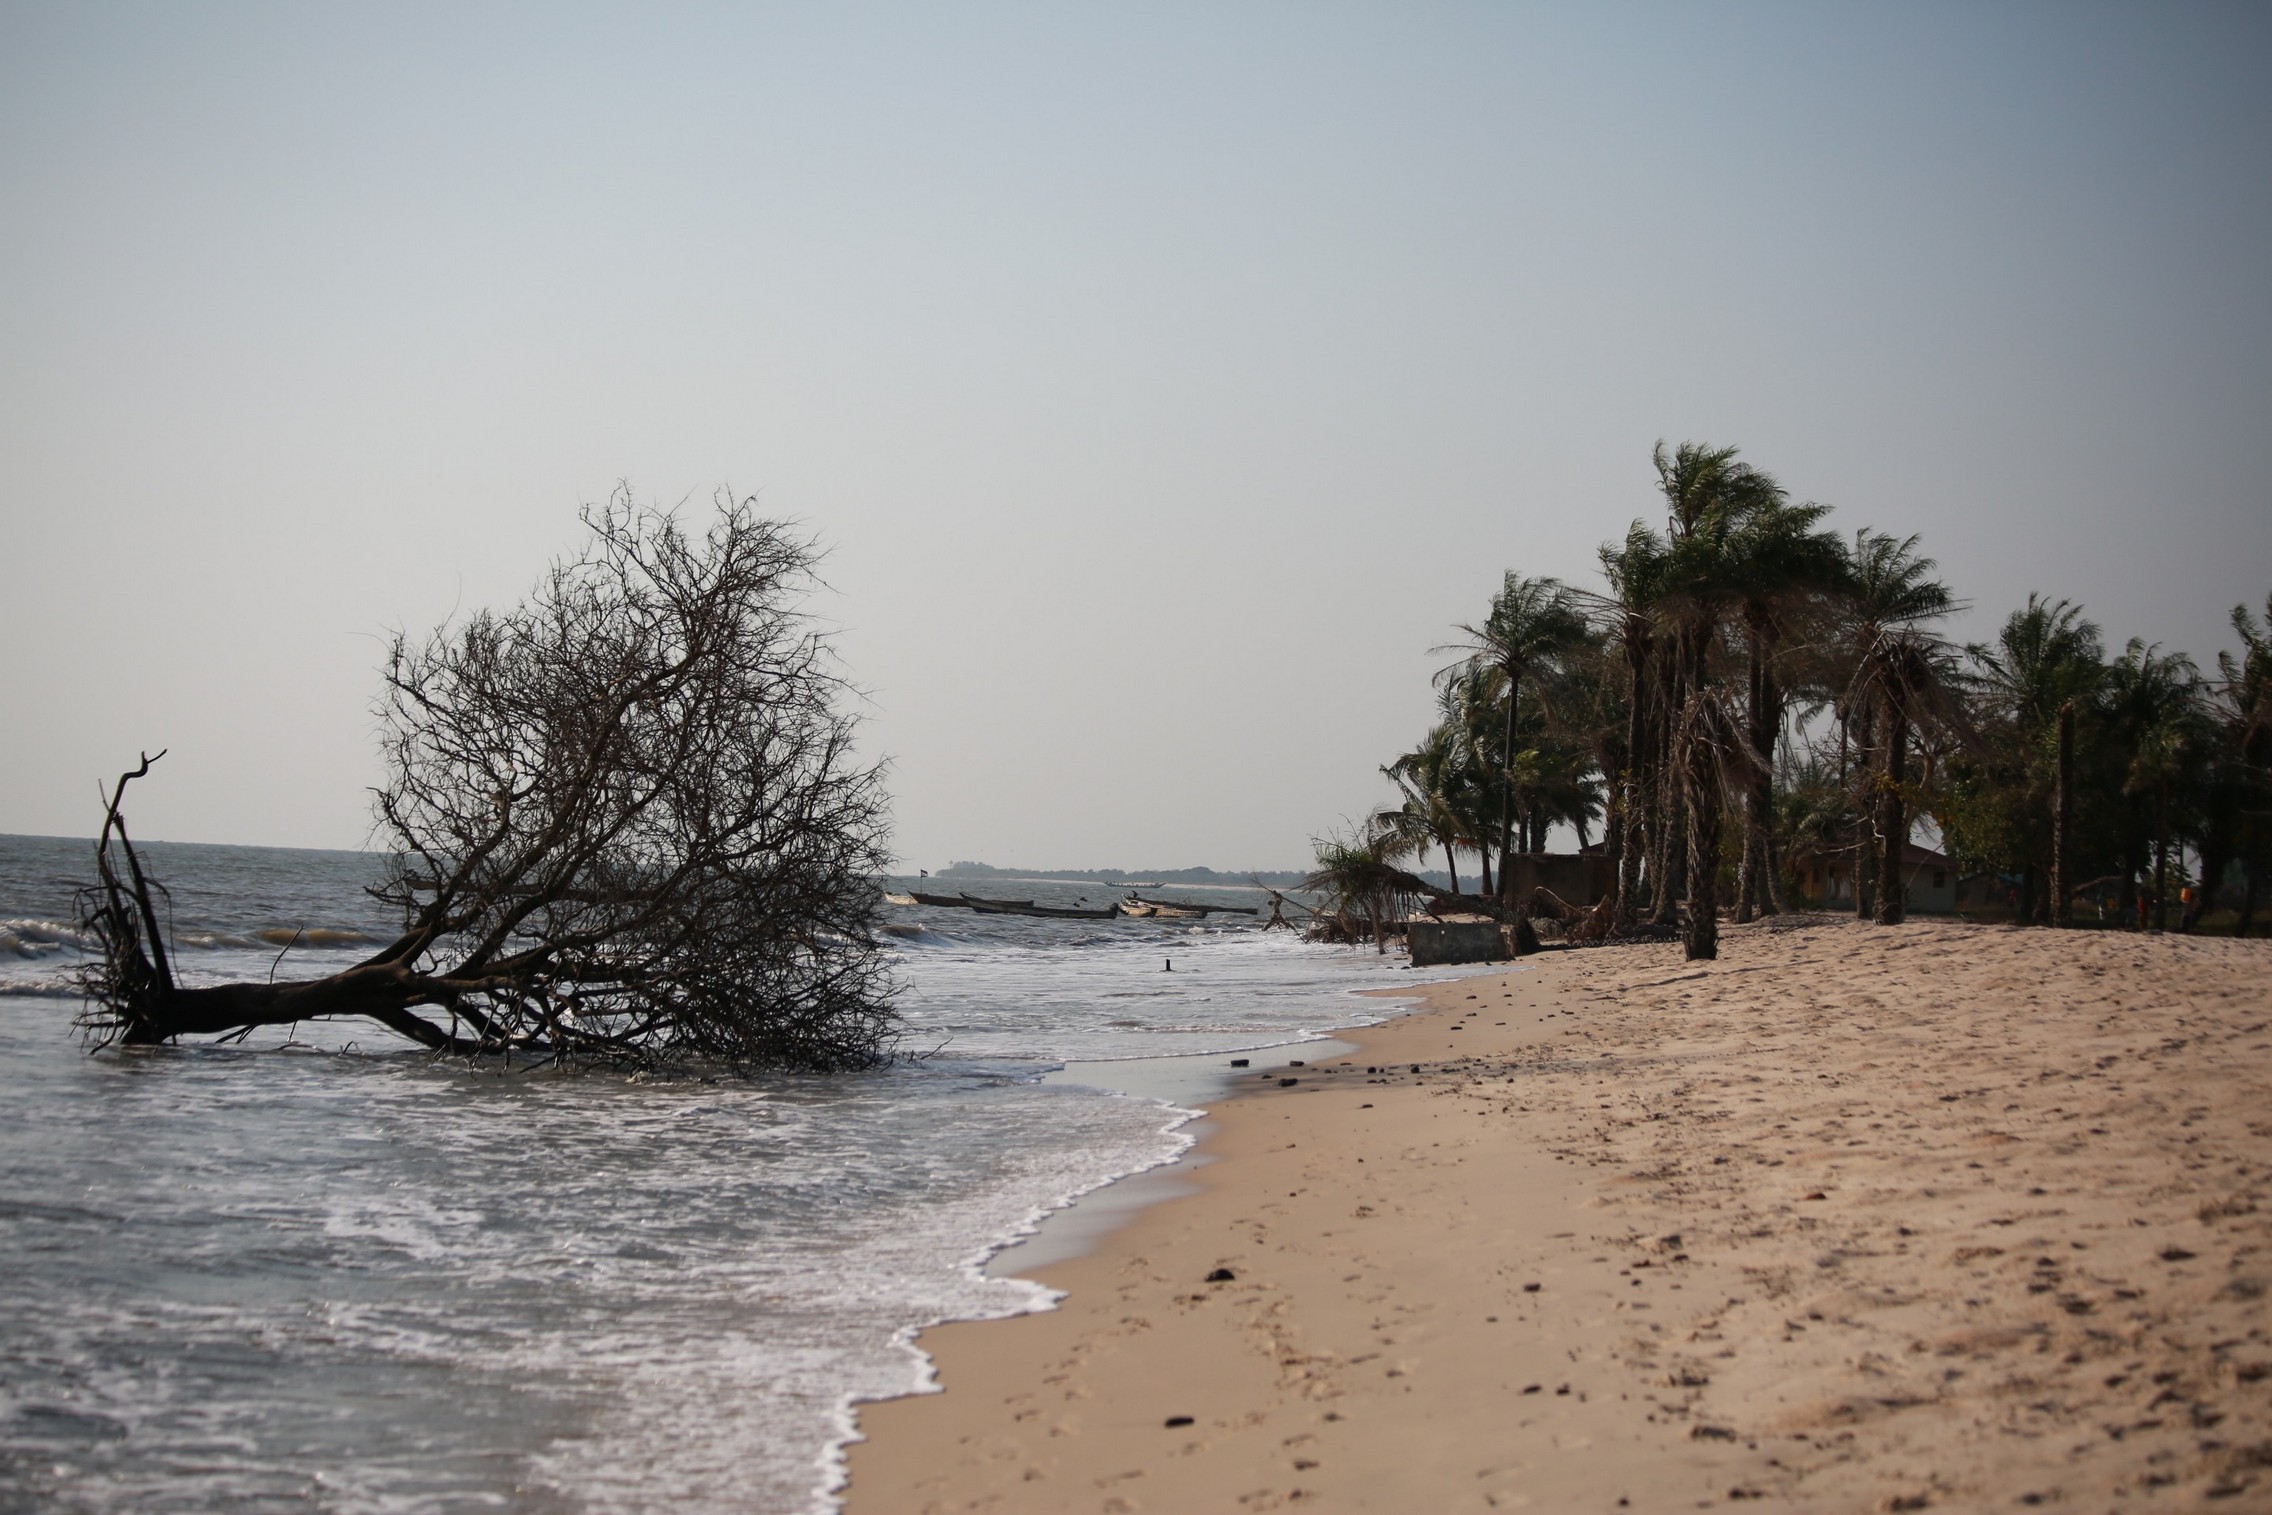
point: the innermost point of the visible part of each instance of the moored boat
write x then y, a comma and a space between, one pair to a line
997, 907
1194, 908
1047, 912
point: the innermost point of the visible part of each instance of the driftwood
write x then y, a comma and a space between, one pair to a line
1278, 901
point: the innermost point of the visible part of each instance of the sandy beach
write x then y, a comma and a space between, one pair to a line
1855, 1218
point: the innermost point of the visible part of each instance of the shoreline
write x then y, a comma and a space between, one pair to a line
1696, 1334
1187, 1083
1179, 1085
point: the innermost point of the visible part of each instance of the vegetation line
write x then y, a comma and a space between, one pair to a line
1747, 668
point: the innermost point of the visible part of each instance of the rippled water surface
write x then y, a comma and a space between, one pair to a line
322, 1272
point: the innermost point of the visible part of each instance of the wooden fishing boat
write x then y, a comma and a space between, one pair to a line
900, 899
996, 907
1192, 907
1053, 912
1028, 907
944, 901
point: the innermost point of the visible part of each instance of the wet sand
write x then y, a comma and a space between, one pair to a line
1855, 1218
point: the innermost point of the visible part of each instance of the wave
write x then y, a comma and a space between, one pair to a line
28, 936
47, 987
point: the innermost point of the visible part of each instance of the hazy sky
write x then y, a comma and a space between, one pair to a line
1165, 379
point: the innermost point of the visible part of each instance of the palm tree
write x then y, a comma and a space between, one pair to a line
1428, 780
1635, 571
1783, 566
1711, 500
1468, 700
2154, 703
1358, 874
1532, 623
2048, 656
1901, 672
2242, 820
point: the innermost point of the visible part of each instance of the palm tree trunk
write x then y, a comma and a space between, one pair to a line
2062, 817
2161, 857
1866, 819
1631, 819
1702, 941
1754, 808
2247, 901
1507, 786
1745, 877
1630, 840
1451, 863
1764, 732
1893, 890
1674, 850
1612, 844
1672, 815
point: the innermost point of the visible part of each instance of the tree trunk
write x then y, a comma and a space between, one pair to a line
2161, 857
1613, 847
1507, 784
1483, 861
1893, 890
379, 994
1702, 941
1451, 864
1772, 862
1627, 880
1630, 817
2062, 819
1672, 883
1744, 879
1753, 889
1669, 848
1865, 823
2247, 901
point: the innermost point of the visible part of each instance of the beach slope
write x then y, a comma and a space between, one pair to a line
1854, 1218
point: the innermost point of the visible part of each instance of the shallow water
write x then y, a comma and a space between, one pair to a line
322, 1272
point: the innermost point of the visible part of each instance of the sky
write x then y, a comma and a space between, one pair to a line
1163, 381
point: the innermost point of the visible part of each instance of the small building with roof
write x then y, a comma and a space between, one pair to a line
1929, 876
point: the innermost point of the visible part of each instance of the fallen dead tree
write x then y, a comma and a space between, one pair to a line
627, 821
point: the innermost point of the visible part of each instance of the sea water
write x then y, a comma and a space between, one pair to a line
322, 1270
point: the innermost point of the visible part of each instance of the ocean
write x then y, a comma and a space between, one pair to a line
320, 1270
